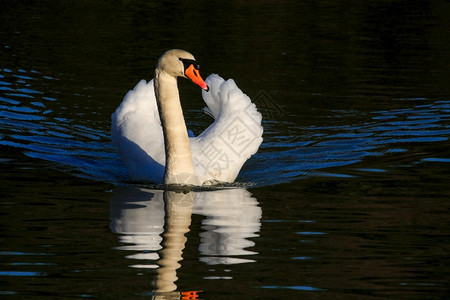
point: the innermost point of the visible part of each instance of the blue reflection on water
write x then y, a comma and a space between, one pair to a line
21, 273
436, 159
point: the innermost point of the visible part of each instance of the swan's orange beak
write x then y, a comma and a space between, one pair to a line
194, 75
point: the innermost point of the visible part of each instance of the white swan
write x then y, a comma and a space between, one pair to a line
149, 132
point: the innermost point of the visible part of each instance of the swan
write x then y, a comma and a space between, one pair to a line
149, 132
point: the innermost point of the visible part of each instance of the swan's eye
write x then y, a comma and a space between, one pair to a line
188, 62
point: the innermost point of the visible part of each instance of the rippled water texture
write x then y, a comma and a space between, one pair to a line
347, 197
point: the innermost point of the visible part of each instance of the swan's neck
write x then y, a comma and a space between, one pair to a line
179, 167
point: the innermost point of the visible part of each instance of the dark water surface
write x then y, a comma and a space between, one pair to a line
349, 193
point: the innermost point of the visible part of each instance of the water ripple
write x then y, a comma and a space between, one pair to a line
321, 147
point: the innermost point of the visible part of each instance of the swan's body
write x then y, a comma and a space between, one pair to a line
162, 152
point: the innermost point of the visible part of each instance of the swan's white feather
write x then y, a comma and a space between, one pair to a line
218, 153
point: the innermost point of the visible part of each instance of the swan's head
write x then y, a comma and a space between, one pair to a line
180, 63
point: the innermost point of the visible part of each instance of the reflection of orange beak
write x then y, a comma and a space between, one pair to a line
194, 75
190, 295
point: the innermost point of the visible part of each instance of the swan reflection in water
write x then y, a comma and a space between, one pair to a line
155, 222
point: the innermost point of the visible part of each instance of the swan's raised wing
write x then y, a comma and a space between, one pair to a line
220, 151
137, 134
